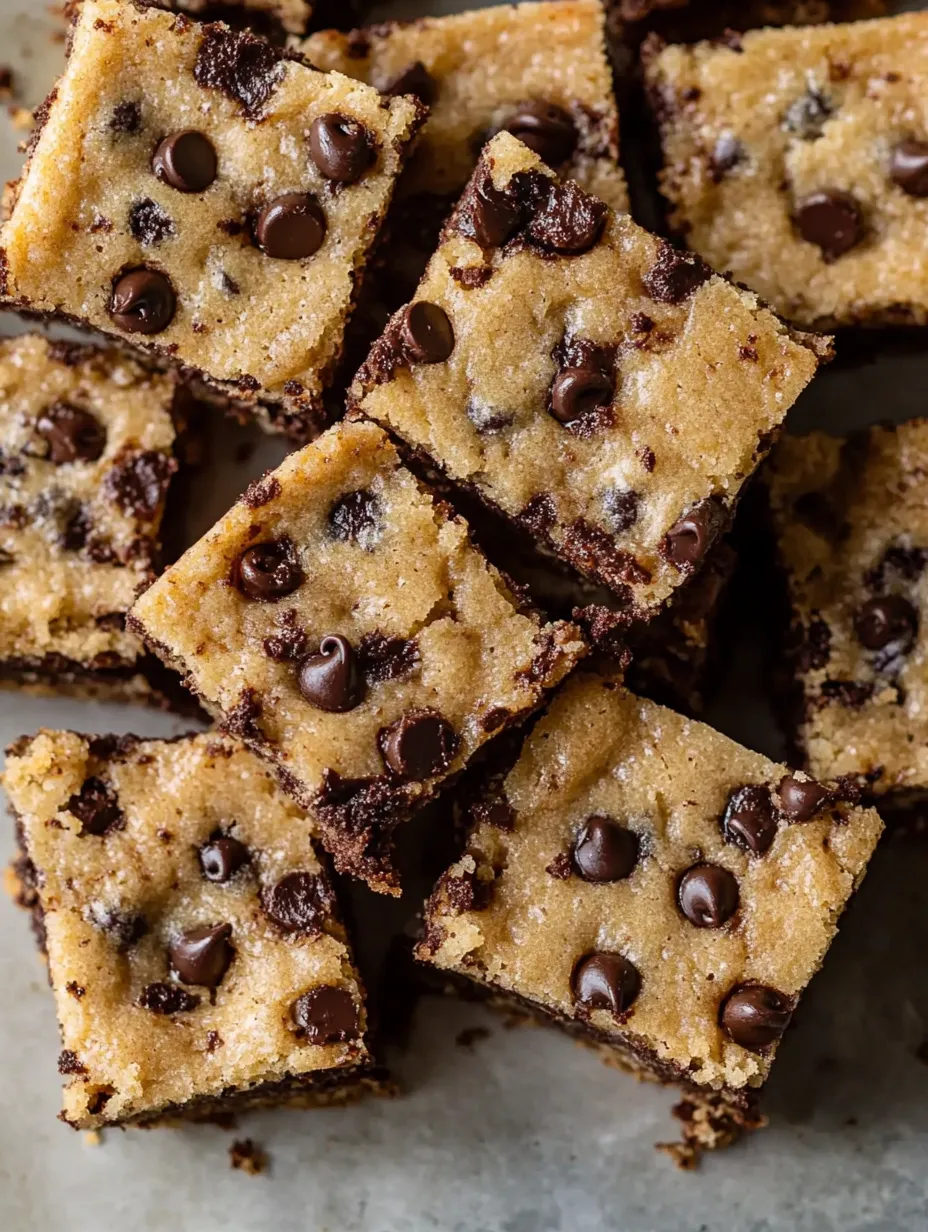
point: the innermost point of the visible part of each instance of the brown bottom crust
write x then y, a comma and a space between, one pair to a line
145, 681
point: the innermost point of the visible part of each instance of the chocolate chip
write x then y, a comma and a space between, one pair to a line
245, 68
222, 857
414, 79
418, 745
426, 333
621, 508
126, 118
726, 154
341, 148
575, 392
162, 998
268, 571
185, 161
755, 1016
806, 116
289, 643
202, 955
138, 483
708, 895
889, 621
545, 128
675, 276
605, 851
603, 981
387, 658
830, 219
749, 820
326, 1015
142, 301
96, 807
802, 799
908, 167
330, 680
356, 517
489, 214
298, 903
70, 1063
122, 929
72, 433
149, 223
290, 227
690, 537
569, 221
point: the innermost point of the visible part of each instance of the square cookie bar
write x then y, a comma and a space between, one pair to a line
87, 455
199, 194
797, 161
851, 527
194, 950
655, 889
605, 392
339, 620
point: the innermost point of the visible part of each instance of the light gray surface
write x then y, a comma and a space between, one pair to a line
525, 1132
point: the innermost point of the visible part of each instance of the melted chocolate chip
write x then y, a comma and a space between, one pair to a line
545, 128
888, 622
755, 1016
202, 955
387, 658
708, 895
298, 903
603, 981
802, 799
96, 807
489, 214
908, 167
149, 223
122, 929
675, 276
569, 221
832, 220
605, 851
689, 539
326, 1015
222, 857
806, 116
426, 333
749, 820
330, 680
576, 392
72, 434
357, 517
726, 154
243, 67
414, 79
290, 227
268, 571
341, 148
418, 745
142, 302
186, 161
138, 483
621, 508
162, 998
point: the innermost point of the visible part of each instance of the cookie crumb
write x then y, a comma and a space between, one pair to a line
248, 1156
93, 1137
21, 118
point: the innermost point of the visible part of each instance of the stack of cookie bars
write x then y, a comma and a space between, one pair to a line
521, 425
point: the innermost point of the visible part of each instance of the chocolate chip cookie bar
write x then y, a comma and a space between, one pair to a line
339, 620
194, 949
797, 161
87, 454
851, 530
203, 196
605, 392
655, 889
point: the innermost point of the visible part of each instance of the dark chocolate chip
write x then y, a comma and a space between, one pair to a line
426, 333
569, 221
149, 223
689, 539
387, 658
96, 807
341, 148
806, 115
356, 517
908, 167
186, 161
726, 154
330, 680
675, 276
605, 851
545, 128
830, 219
414, 79
122, 929
73, 434
126, 118
755, 1016
70, 1063
289, 643
887, 621
326, 1015
202, 955
575, 392
708, 895
138, 483
142, 301
245, 68
749, 820
802, 799
162, 998
602, 981
418, 745
491, 215
268, 571
222, 857
298, 903
291, 227
621, 507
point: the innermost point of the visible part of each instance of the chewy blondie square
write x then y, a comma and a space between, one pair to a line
851, 528
195, 954
87, 455
797, 161
339, 620
655, 889
196, 192
605, 392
